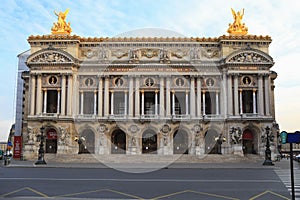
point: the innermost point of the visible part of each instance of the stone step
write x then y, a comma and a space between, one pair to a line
146, 158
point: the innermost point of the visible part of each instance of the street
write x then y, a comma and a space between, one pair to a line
168, 183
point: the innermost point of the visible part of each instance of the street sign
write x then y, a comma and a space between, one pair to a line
293, 137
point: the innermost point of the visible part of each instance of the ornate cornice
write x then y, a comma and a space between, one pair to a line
149, 39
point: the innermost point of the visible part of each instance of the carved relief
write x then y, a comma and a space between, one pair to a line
134, 56
50, 57
195, 54
119, 53
89, 53
248, 57
65, 135
179, 53
210, 53
164, 56
149, 53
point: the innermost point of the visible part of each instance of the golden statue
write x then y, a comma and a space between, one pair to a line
61, 27
237, 28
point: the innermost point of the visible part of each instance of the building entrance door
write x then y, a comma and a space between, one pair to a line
51, 141
118, 142
248, 144
149, 142
88, 143
180, 142
211, 146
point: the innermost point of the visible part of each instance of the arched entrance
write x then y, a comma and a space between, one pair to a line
149, 142
211, 142
248, 142
88, 142
180, 142
118, 142
51, 140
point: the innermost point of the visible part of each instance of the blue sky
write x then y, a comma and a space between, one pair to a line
191, 18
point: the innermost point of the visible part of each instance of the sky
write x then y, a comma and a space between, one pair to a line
190, 18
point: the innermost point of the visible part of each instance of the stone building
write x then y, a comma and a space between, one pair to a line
159, 96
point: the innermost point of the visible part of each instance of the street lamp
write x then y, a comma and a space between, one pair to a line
269, 137
41, 160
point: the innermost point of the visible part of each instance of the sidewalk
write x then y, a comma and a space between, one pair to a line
255, 163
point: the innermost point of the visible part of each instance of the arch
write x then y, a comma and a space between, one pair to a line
118, 142
51, 140
180, 142
248, 142
88, 141
149, 142
210, 141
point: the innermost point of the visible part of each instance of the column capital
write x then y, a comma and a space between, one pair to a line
254, 90
173, 91
58, 89
156, 91
241, 90
142, 91
204, 91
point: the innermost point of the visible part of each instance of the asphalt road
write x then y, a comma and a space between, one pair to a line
172, 183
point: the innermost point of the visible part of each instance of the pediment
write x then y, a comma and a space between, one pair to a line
50, 56
249, 56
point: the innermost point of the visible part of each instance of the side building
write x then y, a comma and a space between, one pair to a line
161, 96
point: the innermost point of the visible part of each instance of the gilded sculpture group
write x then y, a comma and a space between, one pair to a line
236, 28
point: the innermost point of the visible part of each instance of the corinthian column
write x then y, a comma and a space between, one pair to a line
69, 97
192, 97
39, 95
63, 94
32, 97
161, 98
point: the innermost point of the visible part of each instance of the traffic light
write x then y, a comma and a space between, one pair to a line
283, 136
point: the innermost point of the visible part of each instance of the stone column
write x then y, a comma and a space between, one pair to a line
267, 95
32, 97
192, 97
161, 98
156, 103
75, 100
106, 96
63, 95
95, 102
131, 105
142, 92
45, 100
260, 96
39, 95
229, 95
217, 103
186, 102
223, 94
111, 102
137, 97
125, 102
58, 101
173, 102
203, 100
81, 102
168, 98
241, 101
199, 97
100, 99
69, 98
236, 94
254, 101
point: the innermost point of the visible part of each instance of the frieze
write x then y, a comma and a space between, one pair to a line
210, 53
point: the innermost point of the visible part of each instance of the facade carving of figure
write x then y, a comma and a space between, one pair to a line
134, 56
164, 56
236, 135
165, 137
195, 54
197, 139
64, 135
31, 137
133, 142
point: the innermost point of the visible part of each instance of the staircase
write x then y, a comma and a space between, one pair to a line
147, 158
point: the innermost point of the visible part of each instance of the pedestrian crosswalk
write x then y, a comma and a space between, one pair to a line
285, 176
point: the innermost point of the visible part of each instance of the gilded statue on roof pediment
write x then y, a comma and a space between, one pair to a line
237, 27
61, 27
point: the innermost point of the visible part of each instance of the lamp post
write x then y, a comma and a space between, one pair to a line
41, 160
268, 160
